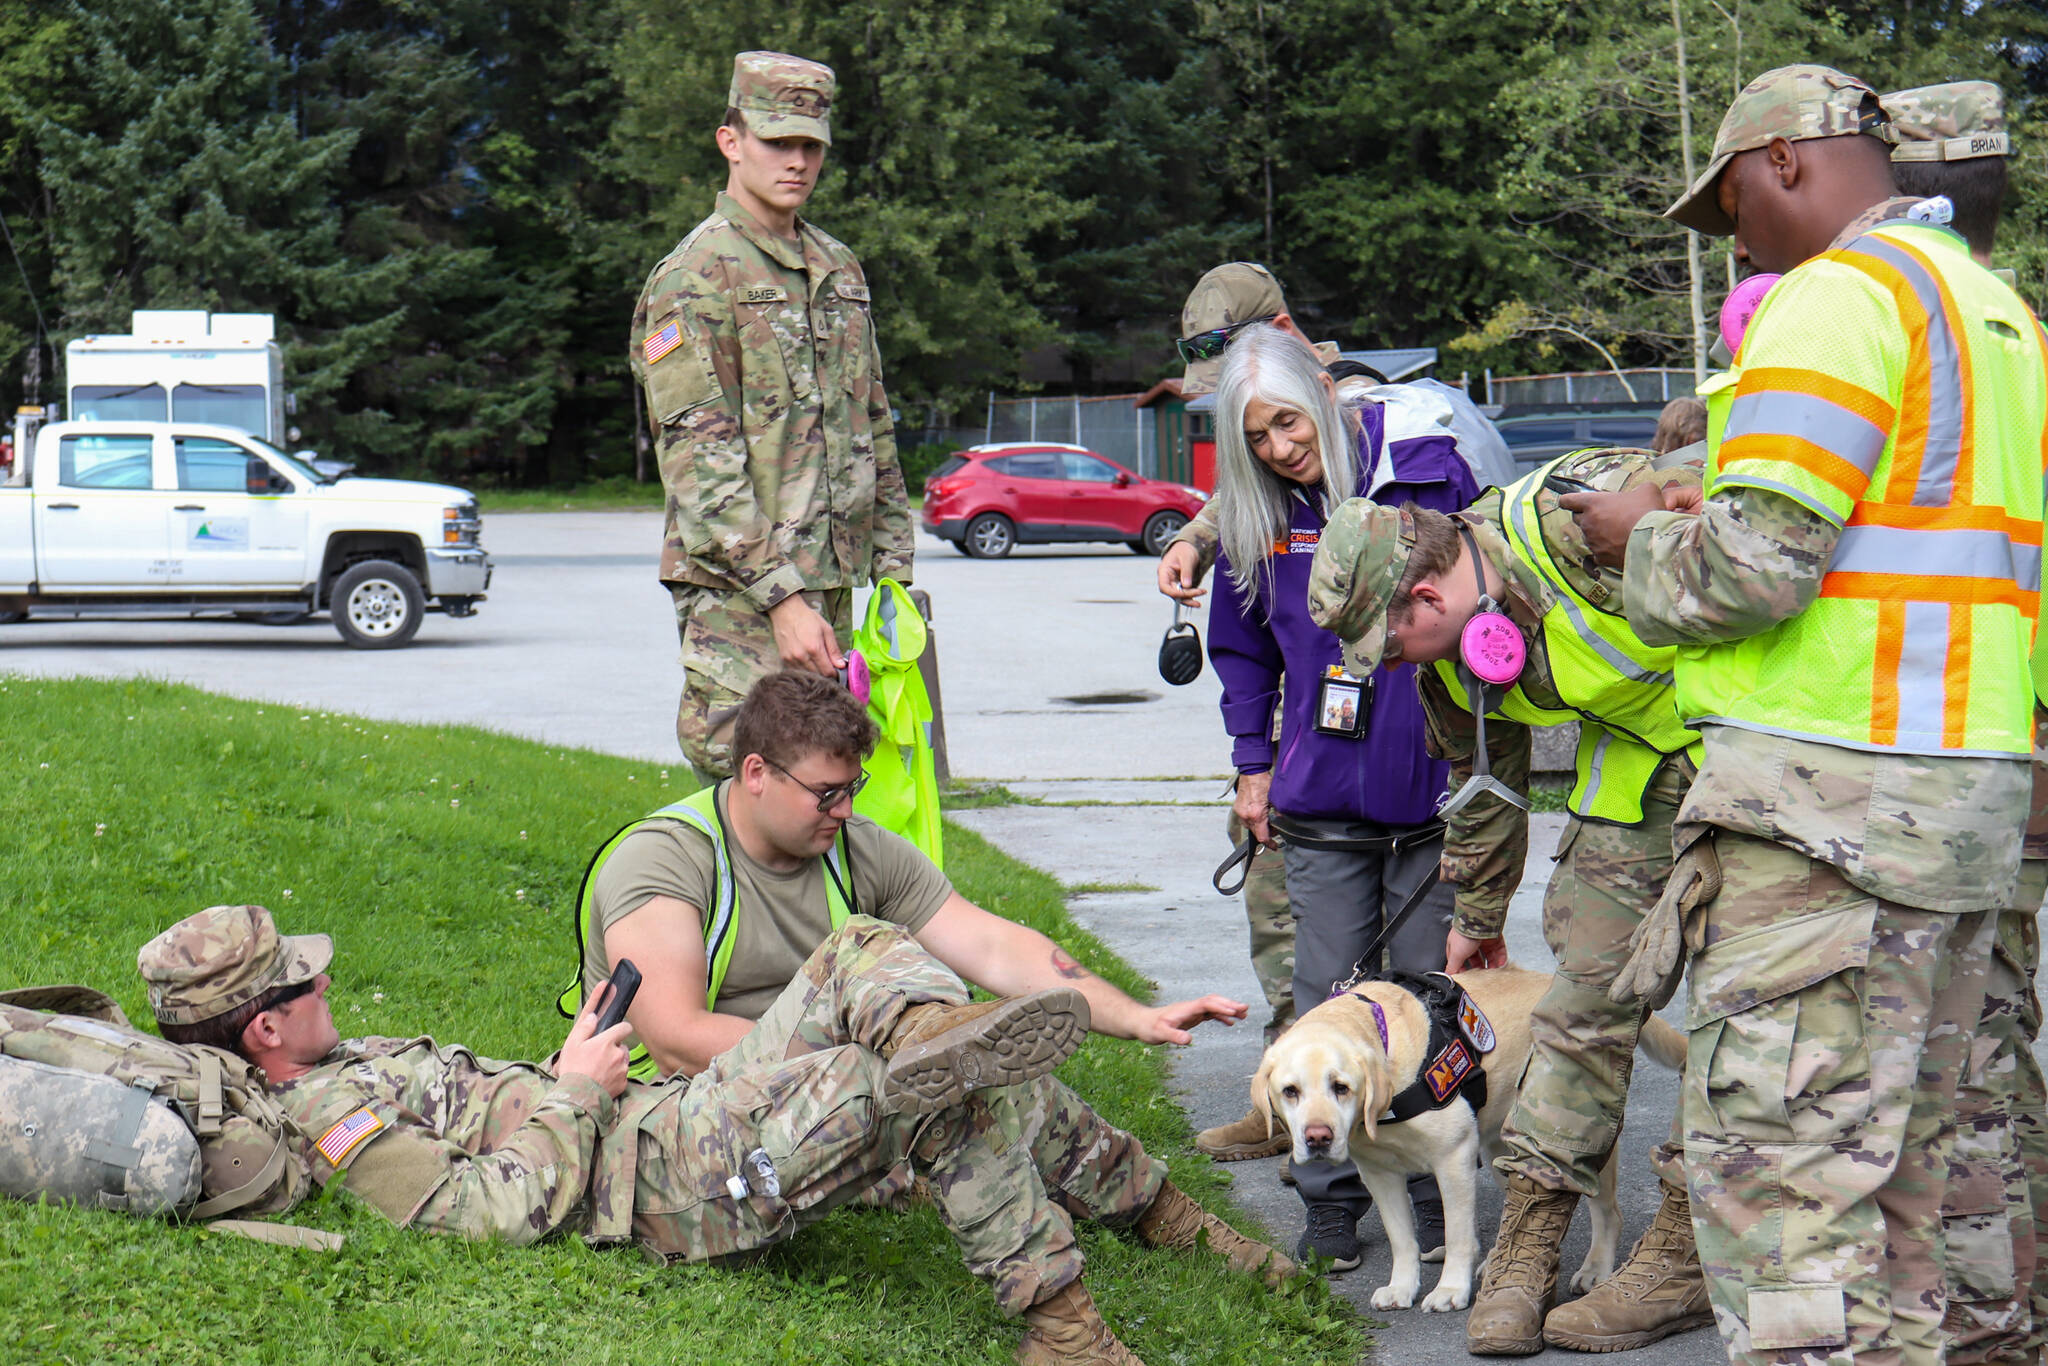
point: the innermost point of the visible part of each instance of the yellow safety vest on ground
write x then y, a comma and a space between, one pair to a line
1919, 639
902, 792
700, 811
1616, 687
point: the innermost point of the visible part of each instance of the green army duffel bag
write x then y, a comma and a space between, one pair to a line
100, 1114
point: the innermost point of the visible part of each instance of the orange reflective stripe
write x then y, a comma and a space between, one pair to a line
1955, 692
1963, 517
1872, 408
1884, 676
1904, 588
1818, 461
1963, 477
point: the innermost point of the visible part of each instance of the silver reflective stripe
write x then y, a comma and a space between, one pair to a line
1594, 773
1862, 746
721, 916
888, 617
1945, 377
1923, 666
1599, 644
1809, 418
1799, 496
1952, 554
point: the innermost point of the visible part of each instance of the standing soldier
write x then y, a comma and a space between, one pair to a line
757, 354
1950, 140
1854, 605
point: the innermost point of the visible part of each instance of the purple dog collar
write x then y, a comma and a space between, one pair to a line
1379, 1017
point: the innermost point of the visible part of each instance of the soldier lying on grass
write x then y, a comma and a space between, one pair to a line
739, 1157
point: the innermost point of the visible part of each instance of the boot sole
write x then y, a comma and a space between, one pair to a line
1627, 1342
1244, 1152
1505, 1347
1025, 1039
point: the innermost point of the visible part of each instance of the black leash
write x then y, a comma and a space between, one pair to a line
1359, 972
1243, 854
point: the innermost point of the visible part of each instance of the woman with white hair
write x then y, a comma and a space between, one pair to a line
1348, 793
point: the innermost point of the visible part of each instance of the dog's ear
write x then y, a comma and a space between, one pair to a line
1262, 1099
1377, 1092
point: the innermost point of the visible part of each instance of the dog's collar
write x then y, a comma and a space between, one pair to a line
1379, 1018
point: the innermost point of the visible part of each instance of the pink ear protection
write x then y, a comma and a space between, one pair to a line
854, 677
1491, 645
1741, 305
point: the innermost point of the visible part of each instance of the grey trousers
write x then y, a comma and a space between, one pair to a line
1340, 899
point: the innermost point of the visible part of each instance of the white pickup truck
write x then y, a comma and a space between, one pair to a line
156, 518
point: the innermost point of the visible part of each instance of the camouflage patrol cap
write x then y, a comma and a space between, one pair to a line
781, 96
1795, 103
1235, 292
224, 957
1955, 122
1358, 565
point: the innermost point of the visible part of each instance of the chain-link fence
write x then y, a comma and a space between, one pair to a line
1599, 386
1110, 426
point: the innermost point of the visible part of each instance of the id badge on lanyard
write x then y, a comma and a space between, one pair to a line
1342, 704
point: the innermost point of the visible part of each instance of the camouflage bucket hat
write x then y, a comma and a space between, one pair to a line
1959, 121
224, 957
1358, 565
1237, 292
1795, 103
782, 96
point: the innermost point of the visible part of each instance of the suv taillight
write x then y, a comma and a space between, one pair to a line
939, 488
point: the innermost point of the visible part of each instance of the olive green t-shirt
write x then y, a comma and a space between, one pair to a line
779, 917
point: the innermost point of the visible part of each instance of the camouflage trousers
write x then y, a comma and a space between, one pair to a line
1828, 1030
728, 647
1995, 1216
1569, 1106
1272, 932
788, 1125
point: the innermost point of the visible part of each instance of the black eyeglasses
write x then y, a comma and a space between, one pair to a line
1209, 345
828, 797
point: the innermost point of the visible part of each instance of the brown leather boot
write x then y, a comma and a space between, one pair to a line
939, 1053
1173, 1220
1659, 1290
1519, 1282
1243, 1139
1066, 1330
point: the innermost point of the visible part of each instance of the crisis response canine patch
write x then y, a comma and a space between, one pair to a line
349, 1134
1451, 1067
1472, 1020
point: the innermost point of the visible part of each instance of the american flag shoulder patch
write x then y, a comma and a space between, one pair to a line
349, 1134
661, 343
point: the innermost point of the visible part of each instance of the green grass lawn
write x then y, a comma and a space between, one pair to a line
443, 861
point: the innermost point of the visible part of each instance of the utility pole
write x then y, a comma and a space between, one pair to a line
1698, 293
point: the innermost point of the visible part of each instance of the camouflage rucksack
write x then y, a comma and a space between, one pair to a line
100, 1114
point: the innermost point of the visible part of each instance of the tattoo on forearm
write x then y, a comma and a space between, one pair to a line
1067, 967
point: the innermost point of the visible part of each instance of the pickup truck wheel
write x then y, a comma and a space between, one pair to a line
377, 605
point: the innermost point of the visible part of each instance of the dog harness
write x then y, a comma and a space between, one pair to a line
1459, 1035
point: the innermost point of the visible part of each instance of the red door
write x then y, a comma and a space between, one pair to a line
1035, 483
1202, 455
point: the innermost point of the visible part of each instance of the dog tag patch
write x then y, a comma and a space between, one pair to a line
1450, 1069
1473, 1023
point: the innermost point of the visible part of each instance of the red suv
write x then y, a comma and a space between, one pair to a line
987, 499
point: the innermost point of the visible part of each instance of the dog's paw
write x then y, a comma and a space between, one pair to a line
1446, 1298
1393, 1297
1590, 1276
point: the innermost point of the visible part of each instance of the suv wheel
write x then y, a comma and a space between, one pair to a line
377, 605
990, 536
1160, 529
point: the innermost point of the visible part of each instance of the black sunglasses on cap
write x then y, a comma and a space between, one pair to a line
1209, 345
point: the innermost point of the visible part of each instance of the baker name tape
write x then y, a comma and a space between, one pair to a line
351, 1133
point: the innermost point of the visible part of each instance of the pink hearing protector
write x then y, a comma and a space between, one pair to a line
1491, 645
854, 676
1741, 306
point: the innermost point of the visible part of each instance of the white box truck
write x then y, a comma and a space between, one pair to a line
183, 365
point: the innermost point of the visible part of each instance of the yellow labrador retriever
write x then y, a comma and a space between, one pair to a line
1331, 1079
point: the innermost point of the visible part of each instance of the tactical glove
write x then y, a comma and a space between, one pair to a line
1655, 961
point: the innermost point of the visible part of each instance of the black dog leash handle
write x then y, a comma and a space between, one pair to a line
1243, 854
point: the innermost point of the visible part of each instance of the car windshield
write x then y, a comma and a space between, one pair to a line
290, 462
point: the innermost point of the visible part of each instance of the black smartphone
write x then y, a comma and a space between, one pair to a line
625, 984
1564, 483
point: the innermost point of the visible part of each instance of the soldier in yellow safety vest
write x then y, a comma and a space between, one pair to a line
1411, 585
1853, 604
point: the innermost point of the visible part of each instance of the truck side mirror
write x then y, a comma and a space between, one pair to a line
258, 478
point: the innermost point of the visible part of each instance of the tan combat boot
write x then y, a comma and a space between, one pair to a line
1241, 1140
1066, 1330
1519, 1283
939, 1053
1659, 1290
1173, 1220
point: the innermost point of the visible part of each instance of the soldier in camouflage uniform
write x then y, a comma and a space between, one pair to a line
755, 347
773, 1136
1570, 1103
1951, 140
1835, 896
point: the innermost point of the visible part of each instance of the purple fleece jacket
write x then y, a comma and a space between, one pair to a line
1386, 777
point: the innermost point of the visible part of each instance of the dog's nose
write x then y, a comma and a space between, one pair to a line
1317, 1135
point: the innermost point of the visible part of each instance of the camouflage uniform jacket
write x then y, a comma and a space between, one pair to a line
764, 395
459, 1144
1487, 843
1939, 834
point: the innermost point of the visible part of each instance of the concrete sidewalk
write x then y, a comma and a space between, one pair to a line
1192, 941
